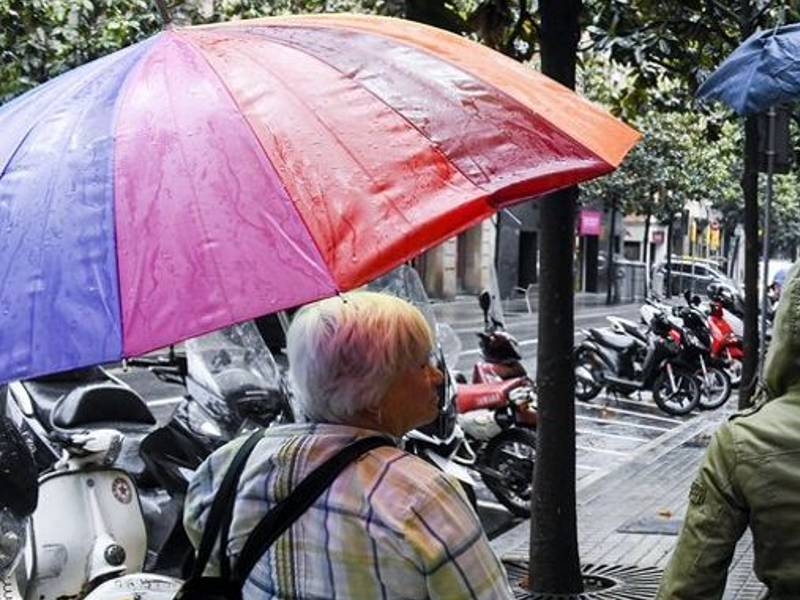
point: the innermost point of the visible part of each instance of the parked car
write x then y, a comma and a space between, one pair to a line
688, 274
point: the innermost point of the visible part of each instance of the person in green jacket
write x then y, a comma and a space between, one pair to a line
750, 477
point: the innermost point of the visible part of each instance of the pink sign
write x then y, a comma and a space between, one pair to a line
589, 222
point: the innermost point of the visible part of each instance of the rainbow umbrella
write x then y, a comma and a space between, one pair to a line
211, 174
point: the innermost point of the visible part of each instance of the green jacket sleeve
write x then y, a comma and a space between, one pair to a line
715, 520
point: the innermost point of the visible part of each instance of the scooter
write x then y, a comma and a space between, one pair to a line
233, 385
726, 344
19, 492
499, 419
605, 359
715, 385
501, 358
88, 525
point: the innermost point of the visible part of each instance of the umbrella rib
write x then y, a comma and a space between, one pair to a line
315, 22
264, 152
77, 86
433, 144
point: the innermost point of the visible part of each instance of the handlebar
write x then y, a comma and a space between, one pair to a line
172, 368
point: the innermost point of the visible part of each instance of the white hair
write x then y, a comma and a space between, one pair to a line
344, 351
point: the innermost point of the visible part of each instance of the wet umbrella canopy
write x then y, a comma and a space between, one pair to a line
762, 72
211, 174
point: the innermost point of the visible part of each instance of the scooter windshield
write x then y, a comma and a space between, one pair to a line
231, 359
404, 282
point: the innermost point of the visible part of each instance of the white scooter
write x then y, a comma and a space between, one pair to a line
88, 526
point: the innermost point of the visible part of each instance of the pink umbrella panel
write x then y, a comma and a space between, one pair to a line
212, 174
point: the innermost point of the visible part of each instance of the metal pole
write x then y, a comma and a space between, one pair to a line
668, 293
611, 292
765, 250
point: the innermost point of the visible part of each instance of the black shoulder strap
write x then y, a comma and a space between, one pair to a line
286, 512
222, 508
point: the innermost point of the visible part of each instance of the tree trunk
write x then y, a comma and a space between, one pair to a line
554, 561
751, 248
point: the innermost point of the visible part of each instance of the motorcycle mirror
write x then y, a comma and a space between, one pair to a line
19, 491
696, 301
688, 296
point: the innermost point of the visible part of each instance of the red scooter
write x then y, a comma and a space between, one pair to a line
501, 359
725, 344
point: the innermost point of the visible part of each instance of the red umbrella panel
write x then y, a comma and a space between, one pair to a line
212, 174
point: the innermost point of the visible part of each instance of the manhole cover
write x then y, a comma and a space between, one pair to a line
600, 582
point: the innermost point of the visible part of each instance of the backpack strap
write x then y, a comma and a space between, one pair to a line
222, 509
286, 512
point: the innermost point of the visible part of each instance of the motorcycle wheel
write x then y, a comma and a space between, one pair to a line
715, 388
681, 401
512, 453
586, 390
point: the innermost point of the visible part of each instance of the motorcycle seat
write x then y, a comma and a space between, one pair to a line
45, 391
613, 340
472, 396
97, 403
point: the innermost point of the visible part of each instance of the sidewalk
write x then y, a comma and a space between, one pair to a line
631, 516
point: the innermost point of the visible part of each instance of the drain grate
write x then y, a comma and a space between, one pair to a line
601, 582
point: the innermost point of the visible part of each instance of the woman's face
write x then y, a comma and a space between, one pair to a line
412, 399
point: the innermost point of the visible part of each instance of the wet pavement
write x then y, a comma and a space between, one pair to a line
629, 517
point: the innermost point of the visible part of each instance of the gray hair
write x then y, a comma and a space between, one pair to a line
344, 351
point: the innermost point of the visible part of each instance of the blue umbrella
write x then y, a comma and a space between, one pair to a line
762, 72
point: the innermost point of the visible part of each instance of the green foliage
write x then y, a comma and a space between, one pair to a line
40, 39
684, 40
672, 165
785, 214
657, 53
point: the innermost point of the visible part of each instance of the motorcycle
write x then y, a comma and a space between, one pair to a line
606, 359
499, 419
88, 525
501, 358
233, 386
19, 492
715, 385
726, 344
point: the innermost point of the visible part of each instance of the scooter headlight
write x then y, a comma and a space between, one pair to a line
12, 540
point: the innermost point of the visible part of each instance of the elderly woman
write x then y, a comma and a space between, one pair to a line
391, 525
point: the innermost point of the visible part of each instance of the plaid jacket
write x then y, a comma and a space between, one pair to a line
390, 526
